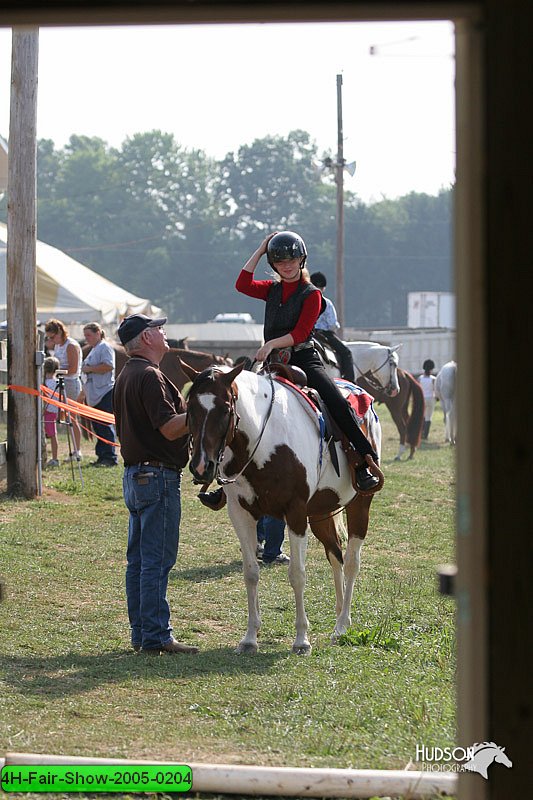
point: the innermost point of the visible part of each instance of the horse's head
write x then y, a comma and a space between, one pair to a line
484, 754
501, 757
392, 386
212, 418
384, 378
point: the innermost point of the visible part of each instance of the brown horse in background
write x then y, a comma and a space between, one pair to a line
170, 364
406, 409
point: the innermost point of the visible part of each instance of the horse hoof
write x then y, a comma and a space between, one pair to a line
397, 458
246, 648
301, 649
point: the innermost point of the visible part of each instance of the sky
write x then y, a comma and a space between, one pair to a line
217, 87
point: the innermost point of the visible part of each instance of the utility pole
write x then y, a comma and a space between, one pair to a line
339, 179
20, 276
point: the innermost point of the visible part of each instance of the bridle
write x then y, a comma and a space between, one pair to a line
231, 430
370, 374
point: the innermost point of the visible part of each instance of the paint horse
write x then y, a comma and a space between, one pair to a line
263, 442
445, 391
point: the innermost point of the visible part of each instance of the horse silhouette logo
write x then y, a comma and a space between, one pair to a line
484, 754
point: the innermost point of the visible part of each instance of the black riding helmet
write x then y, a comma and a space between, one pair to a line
284, 246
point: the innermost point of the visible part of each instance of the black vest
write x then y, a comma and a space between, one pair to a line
282, 318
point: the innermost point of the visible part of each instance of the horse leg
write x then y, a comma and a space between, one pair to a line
298, 543
326, 532
357, 514
399, 421
246, 528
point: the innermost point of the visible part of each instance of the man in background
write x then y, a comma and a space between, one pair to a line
327, 324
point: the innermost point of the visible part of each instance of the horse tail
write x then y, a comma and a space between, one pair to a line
415, 422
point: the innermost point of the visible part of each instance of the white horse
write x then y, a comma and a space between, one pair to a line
376, 363
445, 391
264, 444
484, 754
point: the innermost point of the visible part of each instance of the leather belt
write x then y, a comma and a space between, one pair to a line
159, 464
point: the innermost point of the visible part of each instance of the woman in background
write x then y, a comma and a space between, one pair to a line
98, 378
68, 351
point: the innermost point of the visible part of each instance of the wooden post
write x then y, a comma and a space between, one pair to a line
21, 248
339, 176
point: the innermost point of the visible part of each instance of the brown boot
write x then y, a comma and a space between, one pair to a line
214, 500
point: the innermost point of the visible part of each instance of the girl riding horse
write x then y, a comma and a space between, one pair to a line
293, 305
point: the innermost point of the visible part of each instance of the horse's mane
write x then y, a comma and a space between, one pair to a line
209, 374
485, 746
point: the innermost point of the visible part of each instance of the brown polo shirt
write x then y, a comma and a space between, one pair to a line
143, 400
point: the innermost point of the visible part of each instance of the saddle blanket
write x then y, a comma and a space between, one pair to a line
359, 400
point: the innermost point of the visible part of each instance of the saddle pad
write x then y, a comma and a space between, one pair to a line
306, 401
359, 400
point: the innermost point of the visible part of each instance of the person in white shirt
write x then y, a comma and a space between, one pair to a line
68, 351
327, 324
427, 382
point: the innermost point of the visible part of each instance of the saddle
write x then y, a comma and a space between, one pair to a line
360, 401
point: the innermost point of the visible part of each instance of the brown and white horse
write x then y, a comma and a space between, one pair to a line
406, 409
259, 440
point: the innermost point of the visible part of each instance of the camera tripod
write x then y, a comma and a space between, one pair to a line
67, 421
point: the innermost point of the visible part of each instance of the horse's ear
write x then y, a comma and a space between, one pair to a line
188, 370
396, 347
229, 377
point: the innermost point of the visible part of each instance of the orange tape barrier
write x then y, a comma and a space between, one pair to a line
73, 407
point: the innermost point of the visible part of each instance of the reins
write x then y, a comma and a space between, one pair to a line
226, 439
375, 384
224, 481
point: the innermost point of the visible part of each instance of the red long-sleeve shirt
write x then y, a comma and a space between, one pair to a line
310, 309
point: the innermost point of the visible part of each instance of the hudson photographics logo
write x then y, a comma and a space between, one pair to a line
477, 758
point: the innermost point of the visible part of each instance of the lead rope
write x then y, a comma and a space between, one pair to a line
224, 481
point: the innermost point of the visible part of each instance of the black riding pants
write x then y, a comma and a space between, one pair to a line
339, 408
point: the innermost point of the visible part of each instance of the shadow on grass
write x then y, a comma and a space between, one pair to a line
208, 573
72, 673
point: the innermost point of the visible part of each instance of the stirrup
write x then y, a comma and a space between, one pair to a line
214, 500
376, 472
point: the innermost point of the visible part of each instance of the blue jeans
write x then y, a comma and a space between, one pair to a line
105, 452
153, 498
271, 531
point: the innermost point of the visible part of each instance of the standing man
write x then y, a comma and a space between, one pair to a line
152, 429
327, 324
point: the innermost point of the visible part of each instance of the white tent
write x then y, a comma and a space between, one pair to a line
71, 292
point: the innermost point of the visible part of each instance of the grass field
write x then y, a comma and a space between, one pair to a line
70, 684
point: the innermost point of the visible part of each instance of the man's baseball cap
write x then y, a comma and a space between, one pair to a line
132, 326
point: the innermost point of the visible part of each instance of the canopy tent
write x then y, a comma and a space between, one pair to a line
71, 292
